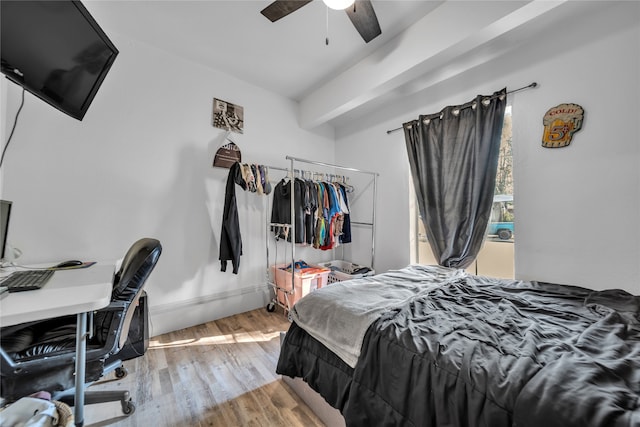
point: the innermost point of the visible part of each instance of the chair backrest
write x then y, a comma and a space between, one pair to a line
128, 283
136, 266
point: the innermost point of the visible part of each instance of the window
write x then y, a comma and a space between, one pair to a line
497, 255
501, 221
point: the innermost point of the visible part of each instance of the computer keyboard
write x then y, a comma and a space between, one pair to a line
28, 280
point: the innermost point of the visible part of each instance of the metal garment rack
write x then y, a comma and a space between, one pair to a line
292, 227
372, 224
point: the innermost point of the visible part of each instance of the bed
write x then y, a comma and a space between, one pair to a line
432, 346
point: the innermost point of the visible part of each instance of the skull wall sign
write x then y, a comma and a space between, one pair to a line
560, 123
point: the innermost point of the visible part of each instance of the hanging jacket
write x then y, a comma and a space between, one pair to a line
321, 214
230, 239
345, 237
310, 212
281, 209
301, 204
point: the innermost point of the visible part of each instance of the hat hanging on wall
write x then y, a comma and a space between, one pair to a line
228, 154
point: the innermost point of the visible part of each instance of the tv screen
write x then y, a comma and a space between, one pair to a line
56, 51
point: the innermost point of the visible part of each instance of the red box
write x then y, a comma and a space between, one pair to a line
303, 283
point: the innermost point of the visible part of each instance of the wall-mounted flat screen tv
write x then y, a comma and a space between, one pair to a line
56, 51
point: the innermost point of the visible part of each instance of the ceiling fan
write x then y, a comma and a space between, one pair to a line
360, 12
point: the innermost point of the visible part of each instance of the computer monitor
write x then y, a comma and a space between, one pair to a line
5, 213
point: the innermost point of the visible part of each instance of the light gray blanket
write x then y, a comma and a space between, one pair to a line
339, 315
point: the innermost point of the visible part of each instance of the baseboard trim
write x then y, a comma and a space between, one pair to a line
165, 308
195, 311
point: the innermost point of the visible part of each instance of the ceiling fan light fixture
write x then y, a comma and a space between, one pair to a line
338, 4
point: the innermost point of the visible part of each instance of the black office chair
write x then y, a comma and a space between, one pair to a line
40, 356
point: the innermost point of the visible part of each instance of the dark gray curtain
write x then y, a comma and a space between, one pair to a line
453, 157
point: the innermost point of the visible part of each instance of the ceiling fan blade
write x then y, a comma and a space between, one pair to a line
364, 19
281, 8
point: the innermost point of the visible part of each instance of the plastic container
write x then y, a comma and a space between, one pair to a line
303, 284
343, 270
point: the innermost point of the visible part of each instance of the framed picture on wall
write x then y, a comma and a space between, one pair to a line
228, 116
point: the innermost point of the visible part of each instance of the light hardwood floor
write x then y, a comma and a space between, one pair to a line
221, 373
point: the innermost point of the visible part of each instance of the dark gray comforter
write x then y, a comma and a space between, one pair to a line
486, 352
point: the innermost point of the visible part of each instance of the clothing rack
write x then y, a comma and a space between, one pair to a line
316, 176
373, 217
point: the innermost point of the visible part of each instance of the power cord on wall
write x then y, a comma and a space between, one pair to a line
15, 122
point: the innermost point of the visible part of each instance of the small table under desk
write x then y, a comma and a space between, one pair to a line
71, 291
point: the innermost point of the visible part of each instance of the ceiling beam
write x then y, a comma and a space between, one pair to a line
427, 46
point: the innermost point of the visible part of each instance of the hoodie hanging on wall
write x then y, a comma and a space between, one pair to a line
560, 123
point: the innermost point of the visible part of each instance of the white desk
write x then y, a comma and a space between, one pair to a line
76, 291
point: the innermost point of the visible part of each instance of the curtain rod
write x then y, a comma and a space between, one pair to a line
532, 85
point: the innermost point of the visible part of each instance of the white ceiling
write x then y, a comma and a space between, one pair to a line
289, 56
423, 43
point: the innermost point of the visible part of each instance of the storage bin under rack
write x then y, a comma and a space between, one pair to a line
344, 270
303, 283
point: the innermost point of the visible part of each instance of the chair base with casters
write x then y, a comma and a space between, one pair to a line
103, 396
40, 356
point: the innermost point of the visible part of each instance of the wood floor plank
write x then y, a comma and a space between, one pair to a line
221, 373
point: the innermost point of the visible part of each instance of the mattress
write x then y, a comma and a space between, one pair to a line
476, 351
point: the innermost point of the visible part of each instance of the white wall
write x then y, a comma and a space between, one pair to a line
577, 208
138, 165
